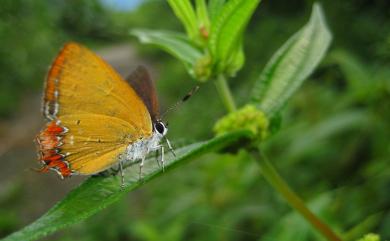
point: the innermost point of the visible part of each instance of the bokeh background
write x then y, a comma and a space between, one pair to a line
333, 146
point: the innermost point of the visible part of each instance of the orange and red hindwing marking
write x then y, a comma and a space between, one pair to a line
49, 143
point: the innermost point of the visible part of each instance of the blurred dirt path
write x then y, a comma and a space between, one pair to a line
17, 151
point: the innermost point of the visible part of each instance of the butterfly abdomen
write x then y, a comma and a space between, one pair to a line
49, 142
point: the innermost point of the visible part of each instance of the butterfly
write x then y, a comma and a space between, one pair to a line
95, 119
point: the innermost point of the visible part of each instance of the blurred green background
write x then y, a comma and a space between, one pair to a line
333, 147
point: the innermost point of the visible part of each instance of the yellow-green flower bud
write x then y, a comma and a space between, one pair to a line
202, 68
247, 118
370, 237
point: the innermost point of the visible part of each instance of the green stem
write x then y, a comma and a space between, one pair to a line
277, 182
362, 228
225, 94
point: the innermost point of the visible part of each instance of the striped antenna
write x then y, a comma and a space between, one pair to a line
184, 99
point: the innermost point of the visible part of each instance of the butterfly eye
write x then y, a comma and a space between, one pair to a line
160, 128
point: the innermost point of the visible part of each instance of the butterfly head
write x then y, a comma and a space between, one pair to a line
160, 127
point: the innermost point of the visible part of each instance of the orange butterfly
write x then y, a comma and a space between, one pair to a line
96, 120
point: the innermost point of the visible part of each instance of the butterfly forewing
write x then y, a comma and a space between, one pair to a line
81, 82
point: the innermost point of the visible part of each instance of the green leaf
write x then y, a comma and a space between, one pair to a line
302, 230
174, 43
356, 73
292, 64
185, 13
362, 81
227, 28
98, 192
369, 223
236, 59
215, 7
310, 137
201, 12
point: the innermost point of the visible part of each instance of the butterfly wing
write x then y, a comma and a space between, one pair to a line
81, 82
142, 83
94, 114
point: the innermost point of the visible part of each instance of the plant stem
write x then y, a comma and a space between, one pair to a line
277, 182
364, 227
225, 94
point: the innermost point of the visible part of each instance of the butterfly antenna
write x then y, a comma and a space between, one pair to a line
184, 99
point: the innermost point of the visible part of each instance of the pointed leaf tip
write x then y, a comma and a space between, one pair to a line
292, 64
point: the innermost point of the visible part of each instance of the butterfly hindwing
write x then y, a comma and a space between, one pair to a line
95, 142
142, 83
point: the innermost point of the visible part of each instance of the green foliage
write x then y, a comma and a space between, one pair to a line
333, 139
215, 7
292, 64
100, 191
172, 42
203, 17
225, 48
370, 237
185, 12
87, 19
219, 37
302, 230
23, 63
32, 31
227, 33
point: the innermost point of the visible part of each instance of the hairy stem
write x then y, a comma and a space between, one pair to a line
277, 182
225, 94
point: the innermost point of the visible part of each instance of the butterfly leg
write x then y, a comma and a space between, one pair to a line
162, 158
141, 165
157, 155
170, 146
122, 175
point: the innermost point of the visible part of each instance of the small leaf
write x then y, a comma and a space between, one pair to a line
236, 59
215, 7
292, 64
185, 13
227, 28
98, 192
174, 43
203, 17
